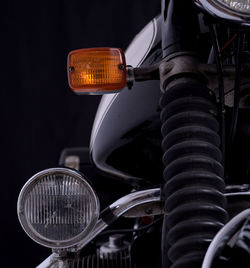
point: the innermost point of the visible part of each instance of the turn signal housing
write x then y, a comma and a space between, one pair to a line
96, 70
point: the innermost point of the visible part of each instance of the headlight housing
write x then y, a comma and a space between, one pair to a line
235, 11
57, 208
237, 6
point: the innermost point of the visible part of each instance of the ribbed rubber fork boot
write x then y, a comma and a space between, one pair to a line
193, 174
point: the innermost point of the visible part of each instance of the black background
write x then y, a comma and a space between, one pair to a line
39, 115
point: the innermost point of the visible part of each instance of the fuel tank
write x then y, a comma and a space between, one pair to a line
125, 140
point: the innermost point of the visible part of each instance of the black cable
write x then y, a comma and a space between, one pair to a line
235, 114
217, 55
120, 231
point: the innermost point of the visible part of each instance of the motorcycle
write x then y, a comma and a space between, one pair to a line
169, 159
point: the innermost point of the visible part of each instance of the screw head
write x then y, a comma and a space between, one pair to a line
149, 211
121, 67
71, 69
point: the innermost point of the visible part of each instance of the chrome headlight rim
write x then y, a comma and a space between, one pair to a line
221, 11
31, 232
230, 10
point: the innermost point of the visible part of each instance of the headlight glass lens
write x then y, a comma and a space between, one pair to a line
242, 6
57, 207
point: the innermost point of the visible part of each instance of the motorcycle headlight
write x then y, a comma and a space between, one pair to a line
57, 208
239, 6
232, 10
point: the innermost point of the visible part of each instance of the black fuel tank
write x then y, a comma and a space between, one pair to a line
125, 140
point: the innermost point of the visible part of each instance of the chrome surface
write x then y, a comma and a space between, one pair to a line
117, 209
50, 217
237, 7
132, 200
238, 194
116, 244
72, 161
125, 206
120, 207
148, 209
51, 262
223, 13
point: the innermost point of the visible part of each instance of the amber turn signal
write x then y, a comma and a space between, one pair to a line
96, 70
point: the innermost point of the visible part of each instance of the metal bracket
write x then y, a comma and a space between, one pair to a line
148, 209
185, 64
142, 74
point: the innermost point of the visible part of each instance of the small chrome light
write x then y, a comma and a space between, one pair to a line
57, 208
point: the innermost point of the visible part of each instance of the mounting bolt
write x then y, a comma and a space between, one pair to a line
121, 67
149, 211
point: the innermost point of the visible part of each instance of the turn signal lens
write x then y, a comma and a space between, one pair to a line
96, 70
